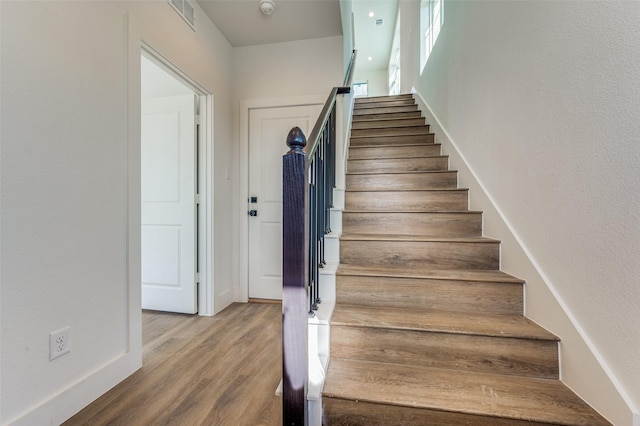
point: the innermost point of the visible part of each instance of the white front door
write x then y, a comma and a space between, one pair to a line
169, 254
268, 129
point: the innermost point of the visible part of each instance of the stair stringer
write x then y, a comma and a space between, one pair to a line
319, 325
542, 303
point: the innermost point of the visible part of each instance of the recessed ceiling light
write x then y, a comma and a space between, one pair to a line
370, 58
371, 14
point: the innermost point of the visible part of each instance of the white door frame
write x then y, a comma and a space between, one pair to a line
205, 179
242, 291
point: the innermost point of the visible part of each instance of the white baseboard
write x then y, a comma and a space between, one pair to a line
543, 305
68, 402
577, 354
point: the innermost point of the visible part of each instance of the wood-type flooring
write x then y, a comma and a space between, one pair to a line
220, 370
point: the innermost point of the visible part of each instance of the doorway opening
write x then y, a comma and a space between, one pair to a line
175, 190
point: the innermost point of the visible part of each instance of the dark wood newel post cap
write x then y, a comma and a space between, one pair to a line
296, 139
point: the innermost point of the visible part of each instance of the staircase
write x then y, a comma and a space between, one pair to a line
426, 329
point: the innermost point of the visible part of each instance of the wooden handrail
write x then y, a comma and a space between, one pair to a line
348, 78
328, 107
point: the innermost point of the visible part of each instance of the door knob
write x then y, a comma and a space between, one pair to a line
253, 212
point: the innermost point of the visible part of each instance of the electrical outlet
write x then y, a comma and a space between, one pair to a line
59, 343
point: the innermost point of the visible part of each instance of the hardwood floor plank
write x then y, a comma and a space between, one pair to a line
220, 370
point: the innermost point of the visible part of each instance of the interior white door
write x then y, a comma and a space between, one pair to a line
268, 129
169, 253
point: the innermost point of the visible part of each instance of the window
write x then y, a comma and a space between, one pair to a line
431, 22
394, 62
360, 89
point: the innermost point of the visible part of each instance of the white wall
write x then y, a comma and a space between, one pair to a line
346, 16
378, 81
345, 105
542, 101
70, 190
294, 68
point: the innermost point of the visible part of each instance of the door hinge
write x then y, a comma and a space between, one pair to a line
197, 199
198, 119
197, 277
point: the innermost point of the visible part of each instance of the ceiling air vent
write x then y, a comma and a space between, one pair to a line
186, 11
378, 22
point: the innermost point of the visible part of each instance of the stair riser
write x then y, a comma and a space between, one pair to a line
400, 165
386, 116
430, 294
407, 200
390, 131
408, 151
519, 357
383, 103
422, 254
385, 109
344, 412
434, 224
419, 121
402, 182
390, 140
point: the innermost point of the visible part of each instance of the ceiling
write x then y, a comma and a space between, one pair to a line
243, 24
372, 40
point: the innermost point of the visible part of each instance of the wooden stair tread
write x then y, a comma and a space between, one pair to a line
398, 151
405, 237
373, 120
394, 145
367, 166
409, 172
388, 122
384, 103
420, 128
393, 271
385, 140
388, 132
376, 193
414, 211
366, 99
503, 396
379, 109
387, 115
398, 158
514, 326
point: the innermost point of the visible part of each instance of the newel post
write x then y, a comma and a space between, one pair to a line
295, 250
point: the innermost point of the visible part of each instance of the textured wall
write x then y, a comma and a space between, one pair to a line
70, 190
542, 100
